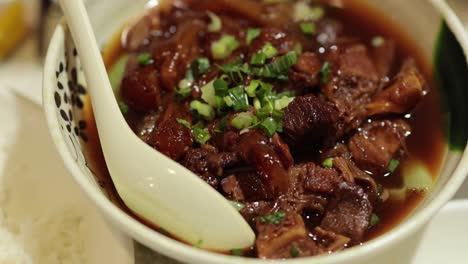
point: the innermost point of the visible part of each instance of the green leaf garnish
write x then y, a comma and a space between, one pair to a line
204, 110
123, 107
375, 219
223, 47
144, 59
274, 218
215, 24
237, 252
393, 165
325, 72
294, 252
252, 33
242, 120
201, 135
307, 28
328, 163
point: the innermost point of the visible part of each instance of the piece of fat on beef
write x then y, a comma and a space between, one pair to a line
309, 121
349, 212
403, 93
378, 143
275, 240
329, 242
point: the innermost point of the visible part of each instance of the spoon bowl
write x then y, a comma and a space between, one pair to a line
151, 185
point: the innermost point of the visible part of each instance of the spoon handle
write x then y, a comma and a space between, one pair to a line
107, 112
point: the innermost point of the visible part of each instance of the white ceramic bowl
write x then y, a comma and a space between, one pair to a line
64, 92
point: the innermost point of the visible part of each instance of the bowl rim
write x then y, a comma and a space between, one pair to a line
183, 252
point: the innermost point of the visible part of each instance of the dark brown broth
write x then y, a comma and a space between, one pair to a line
426, 143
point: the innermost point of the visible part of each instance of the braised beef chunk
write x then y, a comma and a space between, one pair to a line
351, 84
402, 95
145, 127
257, 150
305, 74
329, 242
297, 111
317, 179
378, 143
171, 137
141, 90
277, 237
349, 213
246, 186
309, 121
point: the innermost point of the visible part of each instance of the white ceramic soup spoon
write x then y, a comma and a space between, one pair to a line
152, 185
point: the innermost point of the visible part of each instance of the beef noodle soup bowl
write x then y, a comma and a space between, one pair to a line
335, 127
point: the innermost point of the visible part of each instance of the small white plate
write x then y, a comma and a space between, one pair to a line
40, 204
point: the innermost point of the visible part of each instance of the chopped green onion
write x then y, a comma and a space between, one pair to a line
221, 87
208, 93
252, 33
269, 50
303, 12
183, 93
204, 110
144, 59
237, 205
198, 244
237, 98
377, 41
270, 126
307, 28
393, 165
198, 67
123, 107
258, 59
252, 88
274, 218
215, 24
116, 74
222, 124
328, 163
375, 219
235, 69
223, 47
294, 252
325, 72
228, 101
278, 68
298, 48
242, 120
283, 102
257, 104
184, 122
201, 135
185, 83
237, 252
